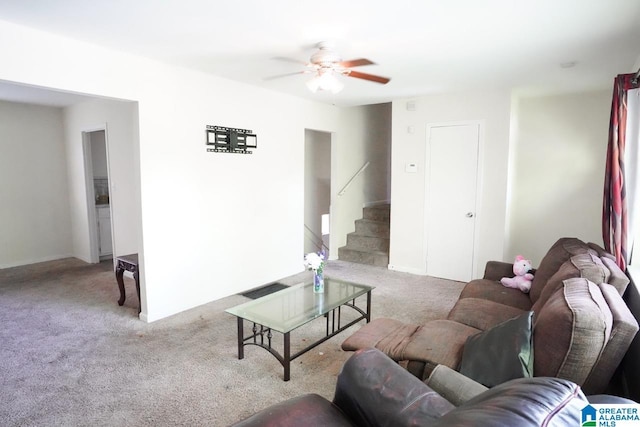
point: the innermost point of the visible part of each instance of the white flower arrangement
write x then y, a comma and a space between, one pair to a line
315, 261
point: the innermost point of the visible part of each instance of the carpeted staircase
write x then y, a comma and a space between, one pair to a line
369, 244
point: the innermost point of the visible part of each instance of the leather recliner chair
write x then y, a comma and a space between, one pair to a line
373, 390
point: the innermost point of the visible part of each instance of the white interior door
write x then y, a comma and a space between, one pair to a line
452, 156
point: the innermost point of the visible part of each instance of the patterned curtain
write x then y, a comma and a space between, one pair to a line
614, 207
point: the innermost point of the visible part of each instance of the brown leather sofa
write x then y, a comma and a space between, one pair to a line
581, 327
373, 390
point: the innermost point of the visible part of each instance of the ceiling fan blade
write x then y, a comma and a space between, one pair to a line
279, 76
370, 77
295, 61
355, 63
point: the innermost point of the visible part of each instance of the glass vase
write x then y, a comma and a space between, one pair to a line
318, 282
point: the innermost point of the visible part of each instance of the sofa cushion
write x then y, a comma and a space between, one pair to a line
387, 335
602, 253
623, 331
495, 291
571, 331
587, 265
482, 314
617, 278
501, 353
525, 402
560, 252
591, 267
438, 342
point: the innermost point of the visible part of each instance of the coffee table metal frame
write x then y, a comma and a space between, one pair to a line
261, 332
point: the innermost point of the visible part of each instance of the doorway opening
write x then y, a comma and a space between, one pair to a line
96, 166
317, 191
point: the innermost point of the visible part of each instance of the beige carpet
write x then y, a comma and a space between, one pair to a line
70, 356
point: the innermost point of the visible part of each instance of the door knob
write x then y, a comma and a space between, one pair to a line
469, 215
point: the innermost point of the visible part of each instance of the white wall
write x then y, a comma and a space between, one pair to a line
558, 171
492, 109
122, 144
34, 199
207, 217
377, 138
210, 221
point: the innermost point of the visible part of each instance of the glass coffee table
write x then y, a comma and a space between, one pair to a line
290, 308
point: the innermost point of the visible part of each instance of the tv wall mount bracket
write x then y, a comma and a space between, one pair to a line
221, 139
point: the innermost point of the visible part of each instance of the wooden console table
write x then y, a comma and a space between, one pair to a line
127, 263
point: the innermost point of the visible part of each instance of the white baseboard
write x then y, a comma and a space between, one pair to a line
35, 260
412, 270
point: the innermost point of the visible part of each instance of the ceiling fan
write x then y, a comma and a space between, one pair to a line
326, 64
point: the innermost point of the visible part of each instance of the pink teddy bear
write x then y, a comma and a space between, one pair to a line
523, 278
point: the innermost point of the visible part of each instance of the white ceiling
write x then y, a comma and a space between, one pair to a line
425, 46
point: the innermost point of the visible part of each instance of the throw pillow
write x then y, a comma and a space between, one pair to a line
501, 353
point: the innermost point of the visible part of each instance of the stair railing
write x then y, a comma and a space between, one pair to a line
317, 240
344, 189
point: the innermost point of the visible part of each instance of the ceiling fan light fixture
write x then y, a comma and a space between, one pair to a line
314, 84
325, 81
326, 67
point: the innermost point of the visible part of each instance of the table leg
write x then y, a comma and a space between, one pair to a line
287, 357
368, 306
119, 273
327, 316
137, 279
240, 338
